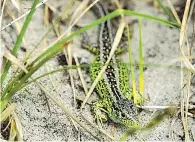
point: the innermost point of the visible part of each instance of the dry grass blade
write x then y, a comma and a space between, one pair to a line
157, 107
81, 75
185, 97
15, 3
174, 11
7, 112
184, 22
69, 49
1, 48
78, 10
69, 61
14, 60
18, 127
183, 36
13, 131
73, 23
186, 61
183, 33
2, 10
18, 27
47, 18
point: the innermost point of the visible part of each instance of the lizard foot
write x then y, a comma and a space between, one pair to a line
99, 112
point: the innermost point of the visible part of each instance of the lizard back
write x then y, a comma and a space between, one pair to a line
120, 109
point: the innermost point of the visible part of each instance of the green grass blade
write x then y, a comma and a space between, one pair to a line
168, 12
141, 60
149, 17
131, 66
19, 39
161, 115
130, 131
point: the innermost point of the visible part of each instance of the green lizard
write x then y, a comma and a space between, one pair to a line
113, 88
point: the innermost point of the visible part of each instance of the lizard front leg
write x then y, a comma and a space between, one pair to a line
86, 45
99, 112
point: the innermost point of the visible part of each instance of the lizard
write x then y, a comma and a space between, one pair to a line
113, 87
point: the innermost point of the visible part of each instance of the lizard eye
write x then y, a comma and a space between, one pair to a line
123, 115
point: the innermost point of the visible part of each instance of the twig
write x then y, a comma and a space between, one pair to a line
156, 107
80, 74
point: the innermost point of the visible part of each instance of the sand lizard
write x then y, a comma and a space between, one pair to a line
113, 88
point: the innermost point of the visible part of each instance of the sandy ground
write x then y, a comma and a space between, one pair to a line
162, 84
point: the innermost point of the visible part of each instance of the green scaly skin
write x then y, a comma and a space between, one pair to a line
113, 87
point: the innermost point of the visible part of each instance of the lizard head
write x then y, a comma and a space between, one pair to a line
125, 114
